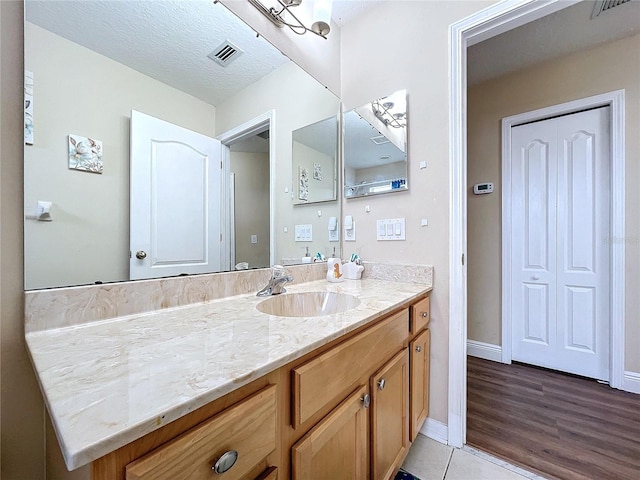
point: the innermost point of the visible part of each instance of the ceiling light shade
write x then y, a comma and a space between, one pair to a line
321, 17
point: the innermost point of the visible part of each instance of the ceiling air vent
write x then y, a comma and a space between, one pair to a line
379, 140
226, 53
604, 5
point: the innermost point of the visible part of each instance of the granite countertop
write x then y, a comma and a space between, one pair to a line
110, 382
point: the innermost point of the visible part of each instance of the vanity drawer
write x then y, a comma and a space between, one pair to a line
325, 381
248, 427
420, 315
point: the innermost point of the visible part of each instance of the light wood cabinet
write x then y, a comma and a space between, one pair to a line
419, 350
420, 315
243, 435
347, 410
390, 416
327, 378
337, 447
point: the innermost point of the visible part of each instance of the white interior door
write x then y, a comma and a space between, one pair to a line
560, 243
175, 200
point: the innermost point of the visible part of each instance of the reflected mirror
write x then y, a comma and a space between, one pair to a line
189, 63
375, 147
315, 161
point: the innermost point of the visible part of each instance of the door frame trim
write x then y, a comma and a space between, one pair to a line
486, 23
616, 101
236, 134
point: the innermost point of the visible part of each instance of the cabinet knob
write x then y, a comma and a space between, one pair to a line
225, 462
366, 400
424, 314
141, 255
381, 384
418, 348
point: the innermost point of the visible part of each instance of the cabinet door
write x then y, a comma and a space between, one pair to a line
419, 353
390, 416
337, 447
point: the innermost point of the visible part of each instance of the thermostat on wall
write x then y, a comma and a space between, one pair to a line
480, 188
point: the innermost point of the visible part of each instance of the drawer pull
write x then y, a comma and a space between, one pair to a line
418, 349
381, 384
225, 462
366, 400
424, 314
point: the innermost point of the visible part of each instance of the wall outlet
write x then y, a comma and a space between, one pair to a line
350, 233
254, 239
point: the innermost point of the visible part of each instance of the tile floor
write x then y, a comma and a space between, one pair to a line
431, 460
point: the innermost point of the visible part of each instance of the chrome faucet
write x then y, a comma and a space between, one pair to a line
276, 283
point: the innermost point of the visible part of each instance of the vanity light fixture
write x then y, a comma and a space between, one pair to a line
280, 13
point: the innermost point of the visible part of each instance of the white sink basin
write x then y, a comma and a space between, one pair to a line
308, 304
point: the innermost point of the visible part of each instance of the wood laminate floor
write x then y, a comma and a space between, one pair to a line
561, 426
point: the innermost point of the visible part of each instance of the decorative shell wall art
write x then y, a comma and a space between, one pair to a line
303, 189
85, 154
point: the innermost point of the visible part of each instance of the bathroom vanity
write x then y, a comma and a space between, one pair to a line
216, 385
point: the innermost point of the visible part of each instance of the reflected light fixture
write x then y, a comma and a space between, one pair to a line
384, 110
281, 14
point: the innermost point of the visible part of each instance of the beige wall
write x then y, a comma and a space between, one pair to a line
21, 408
609, 67
372, 66
78, 91
252, 207
313, 103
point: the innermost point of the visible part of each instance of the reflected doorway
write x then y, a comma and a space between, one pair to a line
250, 201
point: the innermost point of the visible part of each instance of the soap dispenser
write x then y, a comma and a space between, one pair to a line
307, 257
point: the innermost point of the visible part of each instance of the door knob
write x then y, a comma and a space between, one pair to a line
141, 255
381, 384
418, 348
425, 314
535, 277
366, 400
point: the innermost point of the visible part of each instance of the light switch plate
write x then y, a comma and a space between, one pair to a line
303, 233
390, 229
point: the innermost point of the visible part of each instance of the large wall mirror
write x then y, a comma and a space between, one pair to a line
189, 63
375, 147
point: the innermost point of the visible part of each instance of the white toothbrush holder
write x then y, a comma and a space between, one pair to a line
334, 270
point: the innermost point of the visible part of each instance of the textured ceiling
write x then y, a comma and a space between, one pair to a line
166, 40
567, 31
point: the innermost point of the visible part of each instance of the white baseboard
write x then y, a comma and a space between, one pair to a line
631, 382
487, 351
435, 430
